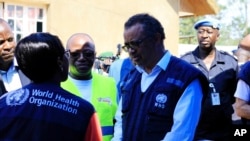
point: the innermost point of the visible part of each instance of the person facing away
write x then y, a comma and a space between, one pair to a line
97, 89
242, 93
162, 97
220, 68
42, 110
11, 75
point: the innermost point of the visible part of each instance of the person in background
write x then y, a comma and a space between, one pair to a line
220, 68
120, 68
102, 65
243, 51
105, 66
242, 93
42, 110
97, 89
11, 75
162, 97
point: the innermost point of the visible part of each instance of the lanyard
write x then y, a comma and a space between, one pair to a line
211, 85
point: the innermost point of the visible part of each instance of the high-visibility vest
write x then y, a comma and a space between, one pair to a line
103, 98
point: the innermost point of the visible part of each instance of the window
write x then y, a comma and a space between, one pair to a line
24, 19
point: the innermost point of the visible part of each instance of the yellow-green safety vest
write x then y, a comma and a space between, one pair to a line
103, 98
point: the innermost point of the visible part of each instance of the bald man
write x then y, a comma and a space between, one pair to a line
10, 74
97, 89
243, 51
242, 93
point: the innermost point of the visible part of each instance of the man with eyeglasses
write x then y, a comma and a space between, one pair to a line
12, 77
84, 82
162, 96
220, 68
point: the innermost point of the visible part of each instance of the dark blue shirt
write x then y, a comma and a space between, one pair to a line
215, 120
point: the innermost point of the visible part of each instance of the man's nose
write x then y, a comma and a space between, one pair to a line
204, 34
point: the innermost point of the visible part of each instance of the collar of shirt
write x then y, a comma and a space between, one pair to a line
147, 79
11, 77
15, 62
195, 60
12, 68
162, 64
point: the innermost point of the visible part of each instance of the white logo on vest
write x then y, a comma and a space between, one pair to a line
160, 101
17, 97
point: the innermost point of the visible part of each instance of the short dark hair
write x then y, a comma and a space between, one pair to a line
150, 24
37, 56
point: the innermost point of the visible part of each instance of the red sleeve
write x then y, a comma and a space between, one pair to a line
94, 132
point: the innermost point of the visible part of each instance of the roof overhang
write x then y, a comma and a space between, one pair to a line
197, 8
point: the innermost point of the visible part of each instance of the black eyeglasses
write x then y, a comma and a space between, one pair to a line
87, 54
133, 44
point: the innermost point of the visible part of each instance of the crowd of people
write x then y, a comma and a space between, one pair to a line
50, 92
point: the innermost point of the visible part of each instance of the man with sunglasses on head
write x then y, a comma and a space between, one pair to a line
12, 76
162, 96
84, 82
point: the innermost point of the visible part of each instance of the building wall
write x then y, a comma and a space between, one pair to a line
104, 19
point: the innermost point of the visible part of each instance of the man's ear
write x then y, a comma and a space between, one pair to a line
218, 35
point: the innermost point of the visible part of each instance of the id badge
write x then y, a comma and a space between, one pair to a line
215, 99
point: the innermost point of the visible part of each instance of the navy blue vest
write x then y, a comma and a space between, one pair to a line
126, 67
244, 74
43, 113
149, 116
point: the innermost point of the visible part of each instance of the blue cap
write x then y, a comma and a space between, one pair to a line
207, 22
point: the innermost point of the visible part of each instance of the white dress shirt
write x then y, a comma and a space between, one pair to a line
242, 91
11, 77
